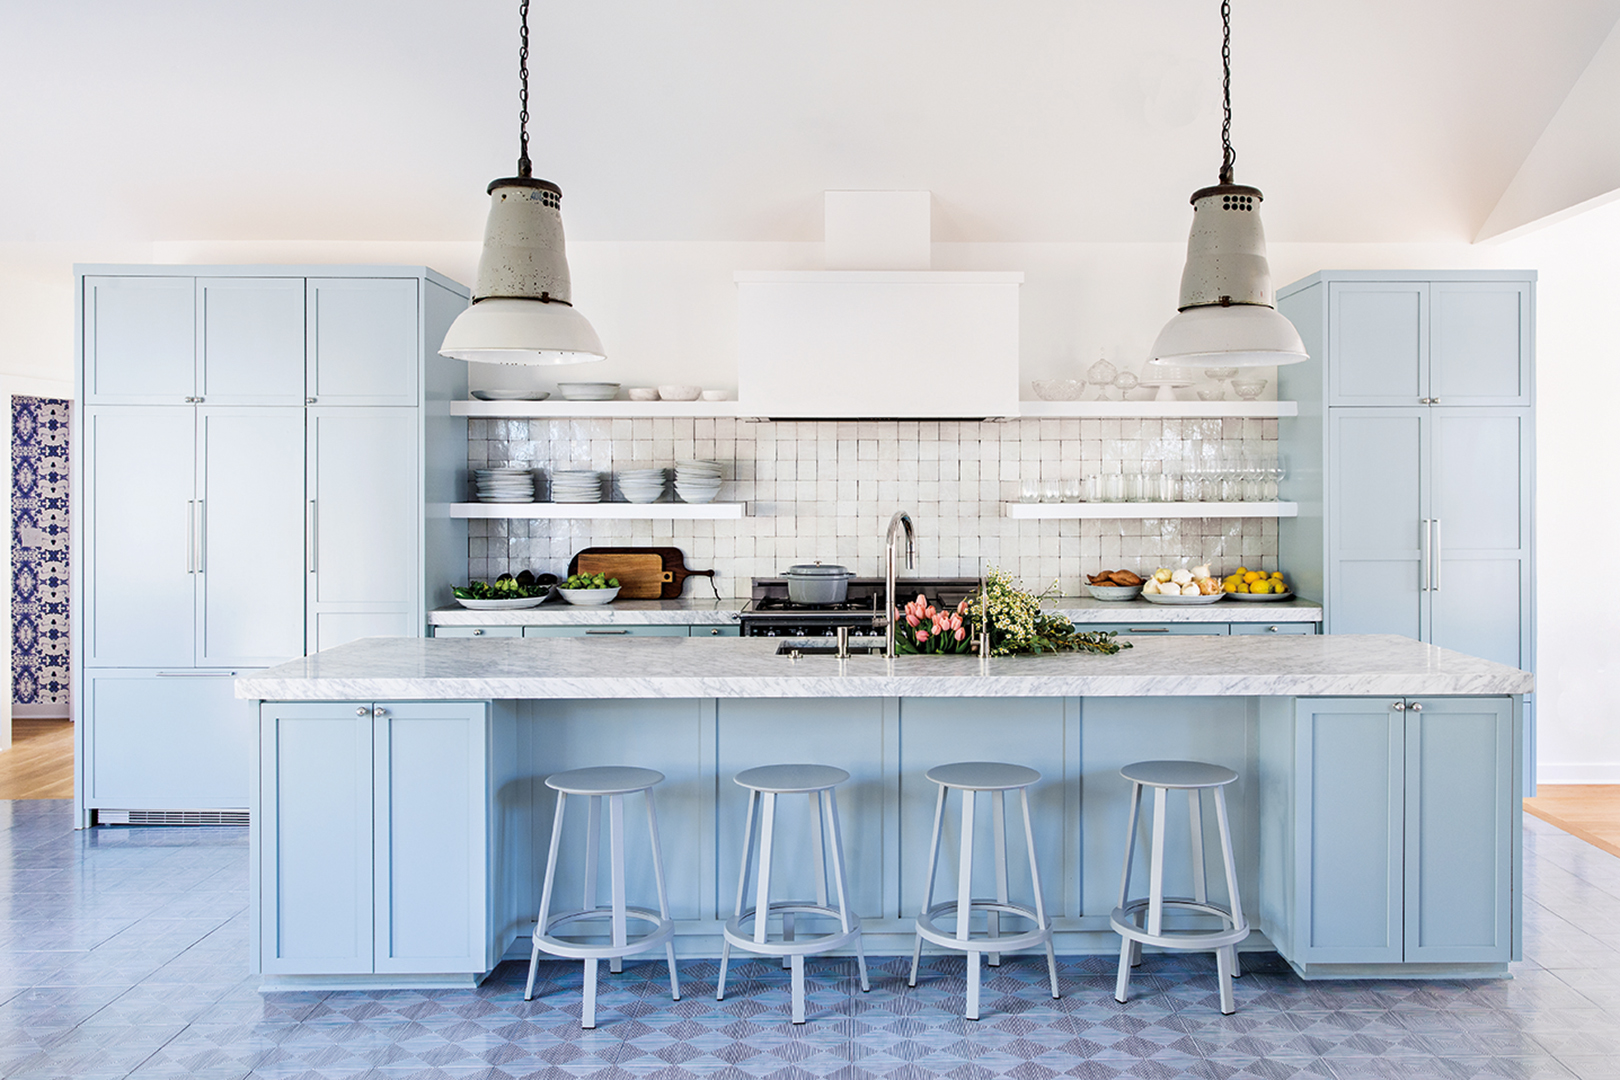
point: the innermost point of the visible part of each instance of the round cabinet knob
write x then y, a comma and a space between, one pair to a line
379, 711
361, 711
1399, 706
477, 633
1417, 706
715, 632
1273, 629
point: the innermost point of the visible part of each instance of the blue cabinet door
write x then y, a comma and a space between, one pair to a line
478, 631
430, 790
315, 838
1376, 509
251, 333
1480, 583
1480, 343
166, 740
1459, 830
1348, 840
140, 340
140, 533
364, 341
1378, 342
639, 630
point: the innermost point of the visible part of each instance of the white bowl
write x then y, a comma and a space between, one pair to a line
679, 393
716, 395
1058, 389
588, 391
589, 597
643, 393
1248, 389
511, 395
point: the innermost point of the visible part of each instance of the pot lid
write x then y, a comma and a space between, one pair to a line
817, 570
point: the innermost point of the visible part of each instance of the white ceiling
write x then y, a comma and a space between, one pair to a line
1032, 120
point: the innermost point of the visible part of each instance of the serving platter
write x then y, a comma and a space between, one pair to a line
1160, 598
512, 604
1261, 597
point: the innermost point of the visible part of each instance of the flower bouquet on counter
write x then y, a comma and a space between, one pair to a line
1013, 616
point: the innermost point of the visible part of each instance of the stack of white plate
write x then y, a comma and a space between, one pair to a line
505, 485
642, 485
576, 486
588, 391
697, 481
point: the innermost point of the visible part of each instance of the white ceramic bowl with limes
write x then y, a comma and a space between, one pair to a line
589, 597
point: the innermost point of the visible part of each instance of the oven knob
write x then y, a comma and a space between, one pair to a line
770, 633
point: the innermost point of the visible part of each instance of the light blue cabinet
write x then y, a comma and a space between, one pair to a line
161, 739
228, 517
614, 631
478, 631
1412, 456
375, 826
1403, 815
1159, 629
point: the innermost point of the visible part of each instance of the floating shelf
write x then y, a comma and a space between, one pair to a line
1151, 510
1147, 410
621, 410
617, 511
1045, 410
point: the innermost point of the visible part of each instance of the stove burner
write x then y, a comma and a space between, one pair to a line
777, 603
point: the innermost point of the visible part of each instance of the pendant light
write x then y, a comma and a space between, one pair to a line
521, 311
1228, 317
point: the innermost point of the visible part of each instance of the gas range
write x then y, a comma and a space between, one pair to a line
771, 614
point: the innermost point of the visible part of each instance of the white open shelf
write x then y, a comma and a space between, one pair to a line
638, 410
1151, 510
1147, 410
618, 511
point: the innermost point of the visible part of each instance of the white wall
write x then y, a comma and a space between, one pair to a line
666, 312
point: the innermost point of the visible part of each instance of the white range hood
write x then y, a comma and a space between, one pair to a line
885, 337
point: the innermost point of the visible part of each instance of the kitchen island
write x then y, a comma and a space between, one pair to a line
400, 816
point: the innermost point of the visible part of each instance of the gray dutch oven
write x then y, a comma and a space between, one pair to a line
813, 583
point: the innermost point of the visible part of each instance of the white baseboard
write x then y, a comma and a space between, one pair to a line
55, 711
1585, 772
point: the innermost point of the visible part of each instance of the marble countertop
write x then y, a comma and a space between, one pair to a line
711, 612
403, 669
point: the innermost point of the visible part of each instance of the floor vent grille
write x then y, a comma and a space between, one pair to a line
171, 817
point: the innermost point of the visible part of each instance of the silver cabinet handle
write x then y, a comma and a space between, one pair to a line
196, 674
200, 545
1423, 554
1399, 706
1147, 630
191, 536
379, 711
607, 631
310, 535
1416, 706
1436, 556
362, 711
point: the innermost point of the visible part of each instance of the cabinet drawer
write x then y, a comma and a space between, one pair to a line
1156, 630
478, 631
660, 630
1273, 628
166, 740
717, 631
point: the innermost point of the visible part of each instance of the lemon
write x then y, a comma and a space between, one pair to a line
1276, 575
1260, 587
1230, 586
1242, 570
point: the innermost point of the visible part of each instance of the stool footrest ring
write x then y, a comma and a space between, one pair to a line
1023, 939
662, 930
800, 945
1123, 921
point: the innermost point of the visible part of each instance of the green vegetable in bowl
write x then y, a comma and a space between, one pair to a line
591, 581
505, 587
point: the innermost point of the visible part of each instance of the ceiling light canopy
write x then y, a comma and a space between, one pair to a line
1228, 317
522, 310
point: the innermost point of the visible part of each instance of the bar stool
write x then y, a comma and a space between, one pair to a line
1141, 922
971, 777
764, 784
613, 783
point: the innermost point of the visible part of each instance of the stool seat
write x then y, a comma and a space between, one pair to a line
791, 779
1178, 774
983, 776
604, 780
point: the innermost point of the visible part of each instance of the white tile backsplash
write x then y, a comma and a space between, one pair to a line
826, 489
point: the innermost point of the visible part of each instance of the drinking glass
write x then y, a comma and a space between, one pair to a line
1071, 491
1051, 491
1029, 491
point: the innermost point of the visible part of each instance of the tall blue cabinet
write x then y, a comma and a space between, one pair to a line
258, 450
1412, 457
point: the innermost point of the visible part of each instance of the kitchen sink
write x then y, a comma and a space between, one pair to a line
787, 648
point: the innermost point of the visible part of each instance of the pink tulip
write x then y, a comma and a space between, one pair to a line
961, 635
921, 601
911, 620
956, 622
932, 612
922, 636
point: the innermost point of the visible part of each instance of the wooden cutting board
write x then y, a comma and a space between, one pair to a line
644, 573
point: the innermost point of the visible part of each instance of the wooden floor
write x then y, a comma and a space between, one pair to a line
1589, 811
39, 764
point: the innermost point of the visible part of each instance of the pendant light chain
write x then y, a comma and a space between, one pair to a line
1228, 155
525, 168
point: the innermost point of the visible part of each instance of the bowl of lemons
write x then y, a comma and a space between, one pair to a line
1246, 584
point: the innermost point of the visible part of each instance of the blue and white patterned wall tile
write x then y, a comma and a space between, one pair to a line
40, 491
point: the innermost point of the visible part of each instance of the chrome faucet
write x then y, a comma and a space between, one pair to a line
900, 520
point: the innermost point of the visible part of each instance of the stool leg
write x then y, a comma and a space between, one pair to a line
762, 897
742, 890
998, 826
1040, 903
1231, 879
1155, 921
545, 894
1134, 949
587, 1019
964, 902
593, 833
841, 882
621, 936
798, 987
1223, 972
1195, 825
663, 893
1122, 982
928, 889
